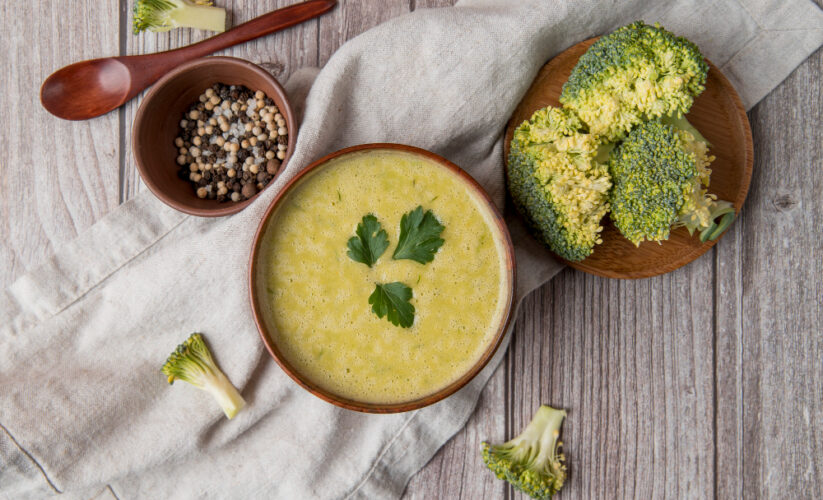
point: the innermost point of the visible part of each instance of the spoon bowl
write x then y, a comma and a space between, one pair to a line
87, 88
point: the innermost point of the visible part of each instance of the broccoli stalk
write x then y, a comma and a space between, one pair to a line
716, 214
192, 362
163, 15
532, 462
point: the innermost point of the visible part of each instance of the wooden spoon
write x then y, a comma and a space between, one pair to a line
91, 88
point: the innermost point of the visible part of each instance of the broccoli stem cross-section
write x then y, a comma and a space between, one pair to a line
163, 15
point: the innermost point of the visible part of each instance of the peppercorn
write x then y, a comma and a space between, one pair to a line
249, 190
224, 138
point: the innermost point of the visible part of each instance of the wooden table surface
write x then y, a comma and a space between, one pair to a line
704, 382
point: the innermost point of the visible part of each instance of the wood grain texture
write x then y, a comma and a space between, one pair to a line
707, 382
782, 294
56, 177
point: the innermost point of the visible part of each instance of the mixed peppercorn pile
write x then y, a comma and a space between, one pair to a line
231, 143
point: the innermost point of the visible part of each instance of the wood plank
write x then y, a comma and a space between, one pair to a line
728, 360
782, 294
457, 471
631, 361
58, 177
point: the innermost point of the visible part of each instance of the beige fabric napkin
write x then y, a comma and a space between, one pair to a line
82, 337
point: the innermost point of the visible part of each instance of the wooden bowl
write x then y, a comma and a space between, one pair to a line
157, 124
717, 113
256, 292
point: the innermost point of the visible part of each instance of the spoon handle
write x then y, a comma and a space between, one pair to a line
156, 65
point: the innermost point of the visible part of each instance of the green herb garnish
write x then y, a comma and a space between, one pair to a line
392, 300
419, 236
370, 243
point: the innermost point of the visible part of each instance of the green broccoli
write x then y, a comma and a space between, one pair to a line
532, 462
635, 73
192, 362
558, 181
163, 15
660, 173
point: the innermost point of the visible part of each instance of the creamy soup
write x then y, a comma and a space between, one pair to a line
315, 298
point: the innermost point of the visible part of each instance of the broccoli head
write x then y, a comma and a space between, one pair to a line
533, 461
192, 362
557, 182
163, 15
660, 174
635, 73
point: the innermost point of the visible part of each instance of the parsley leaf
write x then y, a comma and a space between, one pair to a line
392, 300
370, 243
419, 236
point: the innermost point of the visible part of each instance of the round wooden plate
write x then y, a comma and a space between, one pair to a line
717, 113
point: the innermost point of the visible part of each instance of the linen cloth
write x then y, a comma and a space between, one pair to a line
82, 338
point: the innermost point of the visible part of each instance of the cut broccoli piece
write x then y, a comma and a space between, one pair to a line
660, 174
533, 461
163, 15
557, 182
635, 73
192, 363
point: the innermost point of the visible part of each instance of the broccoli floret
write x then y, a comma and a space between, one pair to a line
192, 363
635, 73
660, 174
557, 182
163, 15
533, 461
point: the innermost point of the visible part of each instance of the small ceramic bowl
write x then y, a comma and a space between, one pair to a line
157, 124
257, 287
